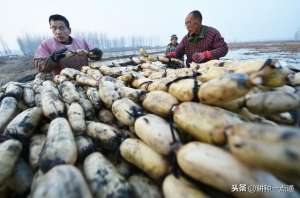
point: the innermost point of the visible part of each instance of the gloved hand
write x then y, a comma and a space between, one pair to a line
198, 57
95, 54
58, 54
201, 56
171, 55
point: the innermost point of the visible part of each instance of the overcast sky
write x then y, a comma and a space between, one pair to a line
237, 20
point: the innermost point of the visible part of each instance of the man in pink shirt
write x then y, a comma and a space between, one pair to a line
50, 55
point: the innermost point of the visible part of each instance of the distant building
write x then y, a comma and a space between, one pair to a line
297, 35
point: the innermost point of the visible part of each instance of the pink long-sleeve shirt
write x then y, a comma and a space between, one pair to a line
46, 48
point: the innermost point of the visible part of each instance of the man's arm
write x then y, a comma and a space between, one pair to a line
219, 50
220, 47
44, 61
44, 64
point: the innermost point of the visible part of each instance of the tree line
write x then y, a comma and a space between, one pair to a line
28, 43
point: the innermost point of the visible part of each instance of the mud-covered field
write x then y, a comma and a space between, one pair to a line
288, 52
15, 68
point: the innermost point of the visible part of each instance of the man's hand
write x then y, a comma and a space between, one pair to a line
198, 57
95, 54
171, 55
58, 54
201, 56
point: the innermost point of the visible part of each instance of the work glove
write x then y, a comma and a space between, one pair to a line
198, 57
201, 56
58, 54
171, 55
95, 54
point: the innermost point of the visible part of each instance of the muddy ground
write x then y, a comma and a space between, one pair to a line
15, 68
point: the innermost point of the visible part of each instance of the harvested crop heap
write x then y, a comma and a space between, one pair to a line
143, 130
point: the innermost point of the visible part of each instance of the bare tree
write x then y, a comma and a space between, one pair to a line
29, 43
5, 49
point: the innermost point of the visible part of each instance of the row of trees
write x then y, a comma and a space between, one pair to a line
28, 43
107, 43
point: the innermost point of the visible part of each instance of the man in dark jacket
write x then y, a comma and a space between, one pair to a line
202, 43
172, 45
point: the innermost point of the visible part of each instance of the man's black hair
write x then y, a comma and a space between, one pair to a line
57, 17
196, 14
174, 36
